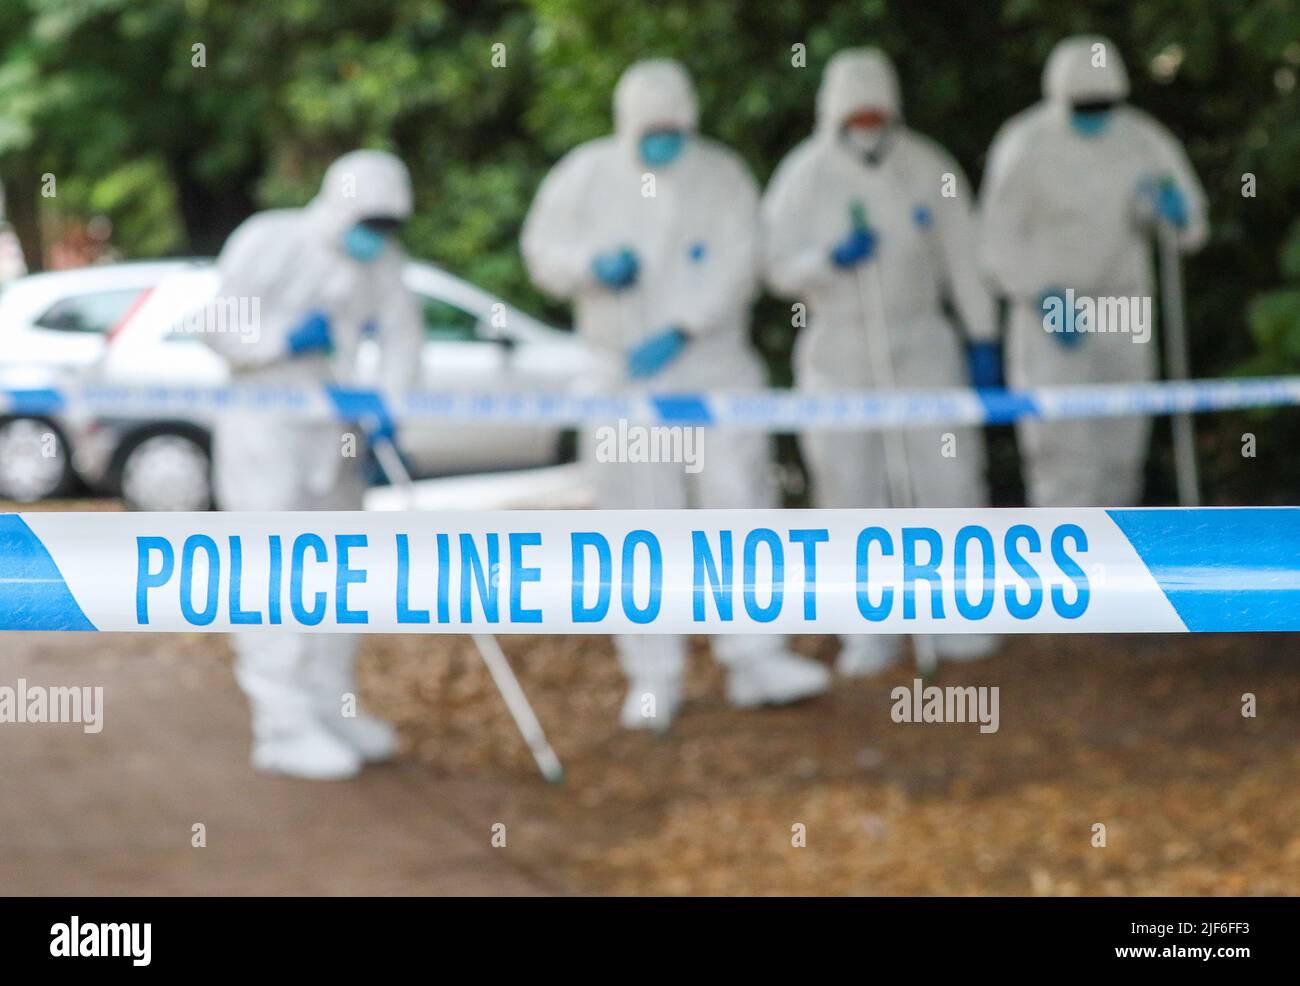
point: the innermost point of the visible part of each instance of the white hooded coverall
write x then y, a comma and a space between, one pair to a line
693, 226
293, 261
1060, 210
917, 202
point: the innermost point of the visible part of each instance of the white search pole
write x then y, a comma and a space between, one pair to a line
1177, 363
898, 472
530, 728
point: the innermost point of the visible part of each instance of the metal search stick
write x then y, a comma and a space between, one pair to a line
1177, 363
521, 710
898, 471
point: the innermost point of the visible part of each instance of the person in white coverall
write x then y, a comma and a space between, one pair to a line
322, 275
867, 217
1074, 188
651, 233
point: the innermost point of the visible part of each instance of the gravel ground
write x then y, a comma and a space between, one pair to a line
1142, 734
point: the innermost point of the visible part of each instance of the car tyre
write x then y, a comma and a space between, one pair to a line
167, 470
34, 460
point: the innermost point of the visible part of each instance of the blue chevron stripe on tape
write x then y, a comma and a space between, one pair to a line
33, 594
365, 407
1222, 568
682, 409
1002, 407
1083, 570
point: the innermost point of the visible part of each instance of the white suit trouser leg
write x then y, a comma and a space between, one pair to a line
637, 486
292, 680
735, 473
1084, 463
848, 470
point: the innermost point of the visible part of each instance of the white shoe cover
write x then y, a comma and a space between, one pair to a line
311, 753
651, 703
867, 654
775, 679
369, 735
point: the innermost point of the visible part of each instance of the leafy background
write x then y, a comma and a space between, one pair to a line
102, 94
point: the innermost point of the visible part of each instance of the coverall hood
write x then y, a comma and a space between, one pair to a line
857, 78
654, 93
1084, 68
361, 185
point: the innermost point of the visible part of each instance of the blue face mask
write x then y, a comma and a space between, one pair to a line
1091, 123
661, 147
364, 244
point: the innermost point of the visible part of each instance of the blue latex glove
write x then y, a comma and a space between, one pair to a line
312, 335
649, 357
366, 408
380, 427
616, 269
985, 365
1052, 301
1171, 204
858, 246
1163, 201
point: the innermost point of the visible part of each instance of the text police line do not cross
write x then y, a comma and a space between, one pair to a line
596, 568
714, 571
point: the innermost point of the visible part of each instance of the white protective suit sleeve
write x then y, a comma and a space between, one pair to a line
253, 264
956, 234
1007, 211
399, 330
555, 247
732, 281
795, 263
1175, 164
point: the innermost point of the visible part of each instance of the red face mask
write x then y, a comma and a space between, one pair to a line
868, 118
864, 131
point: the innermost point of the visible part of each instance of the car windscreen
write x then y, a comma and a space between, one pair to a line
93, 312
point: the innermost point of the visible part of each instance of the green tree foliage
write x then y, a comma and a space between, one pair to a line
106, 95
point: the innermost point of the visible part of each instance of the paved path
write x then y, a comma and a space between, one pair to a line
112, 813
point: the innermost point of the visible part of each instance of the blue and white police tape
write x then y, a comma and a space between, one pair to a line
713, 571
768, 410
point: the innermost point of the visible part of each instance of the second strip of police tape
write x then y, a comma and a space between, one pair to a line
766, 410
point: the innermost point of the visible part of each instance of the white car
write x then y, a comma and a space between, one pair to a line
52, 327
164, 464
